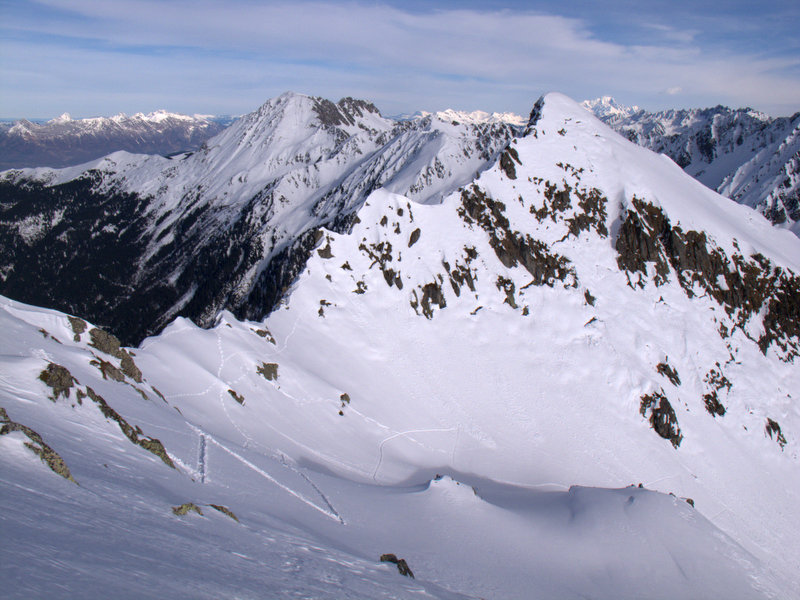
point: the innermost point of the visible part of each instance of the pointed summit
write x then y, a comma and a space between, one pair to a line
607, 107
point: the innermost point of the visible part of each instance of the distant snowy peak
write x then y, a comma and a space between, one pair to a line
157, 116
606, 107
64, 118
478, 117
741, 153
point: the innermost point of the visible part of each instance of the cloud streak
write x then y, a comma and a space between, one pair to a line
205, 56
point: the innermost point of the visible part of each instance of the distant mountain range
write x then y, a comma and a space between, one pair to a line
743, 154
65, 141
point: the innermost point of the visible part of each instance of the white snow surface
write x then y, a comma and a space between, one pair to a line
497, 447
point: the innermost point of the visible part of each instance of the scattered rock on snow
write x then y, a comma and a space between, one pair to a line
402, 565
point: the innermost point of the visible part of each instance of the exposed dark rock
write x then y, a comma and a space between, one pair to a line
105, 342
36, 445
381, 254
772, 428
669, 372
59, 379
345, 400
593, 216
506, 285
268, 370
152, 445
264, 333
507, 160
224, 510
656, 408
78, 327
461, 274
713, 405
431, 293
108, 370
716, 381
414, 237
402, 565
185, 508
743, 287
512, 247
238, 397
110, 344
589, 298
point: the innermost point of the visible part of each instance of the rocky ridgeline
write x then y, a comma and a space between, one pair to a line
133, 242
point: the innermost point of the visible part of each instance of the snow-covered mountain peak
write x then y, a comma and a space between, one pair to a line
63, 118
606, 107
616, 166
295, 163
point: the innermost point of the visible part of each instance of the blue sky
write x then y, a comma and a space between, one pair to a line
90, 57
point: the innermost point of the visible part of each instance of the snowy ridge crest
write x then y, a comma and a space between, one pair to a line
743, 154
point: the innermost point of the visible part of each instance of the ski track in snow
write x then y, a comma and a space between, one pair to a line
220, 393
330, 512
201, 459
401, 434
222, 386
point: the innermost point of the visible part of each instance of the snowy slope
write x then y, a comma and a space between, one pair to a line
200, 231
65, 141
582, 317
743, 154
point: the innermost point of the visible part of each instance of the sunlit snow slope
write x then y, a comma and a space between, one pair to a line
477, 386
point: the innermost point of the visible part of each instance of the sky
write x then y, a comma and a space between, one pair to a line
90, 57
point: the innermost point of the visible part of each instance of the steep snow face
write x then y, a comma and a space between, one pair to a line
743, 154
201, 230
65, 141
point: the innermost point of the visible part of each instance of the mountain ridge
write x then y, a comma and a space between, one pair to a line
743, 154
508, 364
265, 182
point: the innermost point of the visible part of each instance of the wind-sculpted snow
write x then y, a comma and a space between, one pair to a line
153, 238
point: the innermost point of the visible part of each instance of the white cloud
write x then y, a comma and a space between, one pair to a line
182, 51
674, 91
